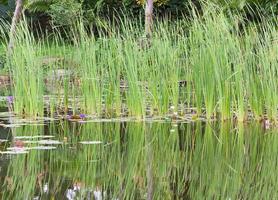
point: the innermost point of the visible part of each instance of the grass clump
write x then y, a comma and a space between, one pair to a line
227, 70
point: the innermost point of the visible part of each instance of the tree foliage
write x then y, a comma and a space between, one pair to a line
63, 12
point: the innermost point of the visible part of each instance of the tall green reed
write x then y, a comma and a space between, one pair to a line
27, 74
227, 69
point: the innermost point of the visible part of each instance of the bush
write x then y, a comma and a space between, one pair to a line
6, 8
65, 12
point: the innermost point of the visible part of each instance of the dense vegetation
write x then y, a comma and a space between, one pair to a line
65, 12
108, 100
211, 61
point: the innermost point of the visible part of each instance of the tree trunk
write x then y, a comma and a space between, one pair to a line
148, 18
16, 17
149, 159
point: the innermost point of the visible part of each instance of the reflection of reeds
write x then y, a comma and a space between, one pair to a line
155, 161
226, 71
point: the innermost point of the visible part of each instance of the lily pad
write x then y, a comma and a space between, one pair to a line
17, 148
30, 141
49, 142
14, 152
46, 118
33, 137
90, 142
6, 114
43, 148
11, 125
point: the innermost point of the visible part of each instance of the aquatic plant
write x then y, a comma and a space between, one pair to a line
213, 65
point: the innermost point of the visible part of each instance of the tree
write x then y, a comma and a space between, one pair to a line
149, 18
16, 17
32, 4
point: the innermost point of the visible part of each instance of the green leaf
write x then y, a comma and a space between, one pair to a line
5, 2
39, 5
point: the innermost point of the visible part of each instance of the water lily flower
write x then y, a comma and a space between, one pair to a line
77, 186
45, 188
19, 143
76, 117
10, 99
70, 194
82, 116
267, 124
97, 194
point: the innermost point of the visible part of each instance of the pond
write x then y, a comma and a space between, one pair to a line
138, 160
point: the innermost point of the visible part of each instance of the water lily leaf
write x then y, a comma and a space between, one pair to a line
30, 141
14, 152
90, 142
49, 142
6, 114
42, 148
172, 130
33, 137
17, 148
46, 118
11, 125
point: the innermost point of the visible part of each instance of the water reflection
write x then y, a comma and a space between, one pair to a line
141, 161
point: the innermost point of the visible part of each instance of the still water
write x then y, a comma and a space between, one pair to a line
136, 160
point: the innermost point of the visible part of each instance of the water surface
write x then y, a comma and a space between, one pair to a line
136, 160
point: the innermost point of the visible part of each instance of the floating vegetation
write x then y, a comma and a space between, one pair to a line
29, 141
11, 125
49, 142
6, 114
91, 142
15, 151
24, 150
42, 148
33, 137
17, 148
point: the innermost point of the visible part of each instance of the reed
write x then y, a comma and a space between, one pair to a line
27, 73
228, 69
